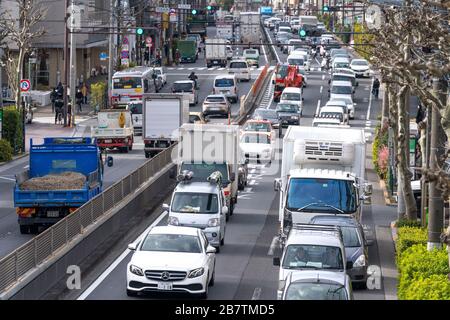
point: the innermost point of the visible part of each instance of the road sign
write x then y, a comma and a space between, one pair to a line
74, 21
25, 85
125, 47
125, 62
125, 40
184, 6
162, 9
103, 56
148, 40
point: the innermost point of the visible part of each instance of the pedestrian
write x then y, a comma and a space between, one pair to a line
59, 104
177, 56
85, 92
69, 113
376, 88
79, 98
53, 95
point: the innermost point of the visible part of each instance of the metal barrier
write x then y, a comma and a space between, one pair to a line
45, 245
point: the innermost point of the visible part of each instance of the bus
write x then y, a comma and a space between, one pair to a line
129, 84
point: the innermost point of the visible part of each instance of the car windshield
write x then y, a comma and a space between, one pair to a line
203, 170
255, 138
360, 63
127, 83
220, 83
341, 89
265, 114
182, 86
296, 61
187, 202
136, 108
291, 96
250, 52
171, 243
307, 256
257, 126
236, 65
284, 107
321, 195
315, 291
341, 65
351, 237
215, 99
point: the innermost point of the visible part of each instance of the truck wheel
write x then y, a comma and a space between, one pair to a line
24, 229
232, 209
124, 149
147, 154
34, 229
130, 147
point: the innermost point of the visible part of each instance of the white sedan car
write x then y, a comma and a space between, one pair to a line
257, 146
360, 67
171, 259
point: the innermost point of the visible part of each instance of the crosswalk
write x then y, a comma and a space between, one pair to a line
209, 69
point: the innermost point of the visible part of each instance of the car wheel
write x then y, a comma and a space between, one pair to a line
204, 295
147, 154
232, 209
211, 282
222, 241
217, 249
132, 293
24, 229
34, 229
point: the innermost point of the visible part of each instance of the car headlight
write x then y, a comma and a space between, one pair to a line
196, 272
136, 270
173, 221
281, 285
360, 262
214, 222
294, 117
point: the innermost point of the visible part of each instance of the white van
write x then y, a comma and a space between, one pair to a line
299, 59
340, 62
240, 69
186, 87
227, 85
292, 95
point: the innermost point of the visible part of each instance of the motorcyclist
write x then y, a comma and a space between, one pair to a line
194, 78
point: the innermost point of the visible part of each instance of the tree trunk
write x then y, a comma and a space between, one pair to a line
385, 107
402, 156
19, 70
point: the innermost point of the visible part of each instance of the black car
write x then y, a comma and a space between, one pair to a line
288, 113
267, 114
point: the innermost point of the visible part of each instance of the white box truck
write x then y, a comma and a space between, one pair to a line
205, 148
322, 173
250, 29
114, 129
163, 114
224, 30
216, 54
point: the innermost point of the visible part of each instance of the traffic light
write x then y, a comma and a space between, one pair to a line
302, 33
208, 7
325, 9
139, 31
194, 12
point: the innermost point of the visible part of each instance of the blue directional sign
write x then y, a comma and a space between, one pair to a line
103, 56
266, 10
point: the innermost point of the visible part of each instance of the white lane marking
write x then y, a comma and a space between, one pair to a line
323, 77
202, 68
321, 88
272, 246
317, 63
265, 55
213, 68
116, 262
252, 182
27, 166
180, 68
318, 107
9, 179
370, 101
220, 69
256, 294
191, 68
170, 68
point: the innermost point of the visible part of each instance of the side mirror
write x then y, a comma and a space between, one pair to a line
366, 199
276, 261
277, 185
165, 207
368, 188
368, 234
133, 246
210, 249
349, 265
232, 176
109, 161
224, 210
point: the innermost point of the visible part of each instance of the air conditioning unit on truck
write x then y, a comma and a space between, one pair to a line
63, 174
162, 115
206, 148
322, 173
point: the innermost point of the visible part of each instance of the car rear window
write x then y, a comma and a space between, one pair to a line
250, 51
215, 99
178, 87
236, 65
224, 83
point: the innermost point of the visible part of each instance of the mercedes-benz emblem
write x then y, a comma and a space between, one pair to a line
165, 276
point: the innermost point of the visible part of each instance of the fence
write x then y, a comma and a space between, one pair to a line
43, 246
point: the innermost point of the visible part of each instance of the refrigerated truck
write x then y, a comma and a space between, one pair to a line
250, 29
216, 53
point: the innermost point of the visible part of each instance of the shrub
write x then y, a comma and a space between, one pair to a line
383, 160
415, 265
12, 128
408, 223
380, 141
5, 150
409, 236
435, 287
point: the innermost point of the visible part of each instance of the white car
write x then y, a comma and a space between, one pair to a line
360, 67
299, 59
186, 87
240, 69
343, 104
292, 95
160, 72
326, 122
252, 57
336, 112
256, 145
171, 259
216, 104
340, 62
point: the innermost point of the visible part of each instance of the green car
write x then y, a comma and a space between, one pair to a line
252, 57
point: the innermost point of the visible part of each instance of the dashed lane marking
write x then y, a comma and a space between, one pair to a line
256, 294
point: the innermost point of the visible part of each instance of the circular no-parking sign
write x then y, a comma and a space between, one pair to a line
25, 85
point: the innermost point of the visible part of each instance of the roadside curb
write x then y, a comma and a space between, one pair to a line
394, 232
388, 200
14, 158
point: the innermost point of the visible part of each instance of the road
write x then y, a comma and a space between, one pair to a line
124, 164
244, 267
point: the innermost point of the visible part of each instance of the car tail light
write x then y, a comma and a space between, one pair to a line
226, 193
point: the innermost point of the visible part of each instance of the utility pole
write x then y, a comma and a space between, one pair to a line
73, 62
111, 50
437, 151
66, 61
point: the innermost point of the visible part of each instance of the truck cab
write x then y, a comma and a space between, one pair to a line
200, 204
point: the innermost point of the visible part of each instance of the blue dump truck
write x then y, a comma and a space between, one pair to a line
64, 173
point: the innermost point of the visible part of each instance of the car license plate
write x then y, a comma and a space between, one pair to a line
224, 91
52, 214
108, 141
165, 286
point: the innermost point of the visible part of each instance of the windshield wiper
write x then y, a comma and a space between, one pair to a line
322, 205
308, 205
333, 207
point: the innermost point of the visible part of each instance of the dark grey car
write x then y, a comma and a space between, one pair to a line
289, 113
356, 245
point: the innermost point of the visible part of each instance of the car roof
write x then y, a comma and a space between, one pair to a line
341, 83
238, 60
360, 60
174, 230
309, 237
331, 109
258, 121
246, 133
335, 220
225, 76
344, 74
197, 187
341, 59
335, 102
219, 95
317, 275
292, 90
184, 81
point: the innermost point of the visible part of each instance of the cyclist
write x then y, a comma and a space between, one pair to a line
194, 78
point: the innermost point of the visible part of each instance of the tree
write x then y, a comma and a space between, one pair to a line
22, 31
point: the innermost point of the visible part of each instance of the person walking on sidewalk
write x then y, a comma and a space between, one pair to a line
85, 92
376, 88
79, 98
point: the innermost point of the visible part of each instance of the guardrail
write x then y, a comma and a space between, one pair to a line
18, 263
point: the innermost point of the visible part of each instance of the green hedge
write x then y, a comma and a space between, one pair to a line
5, 150
12, 128
420, 271
409, 236
408, 223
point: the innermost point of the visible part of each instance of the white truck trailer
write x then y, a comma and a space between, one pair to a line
163, 114
205, 148
224, 30
216, 53
322, 173
250, 29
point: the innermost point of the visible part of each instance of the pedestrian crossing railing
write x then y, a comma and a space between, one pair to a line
18, 264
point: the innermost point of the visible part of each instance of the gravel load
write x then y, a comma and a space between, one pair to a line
64, 181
